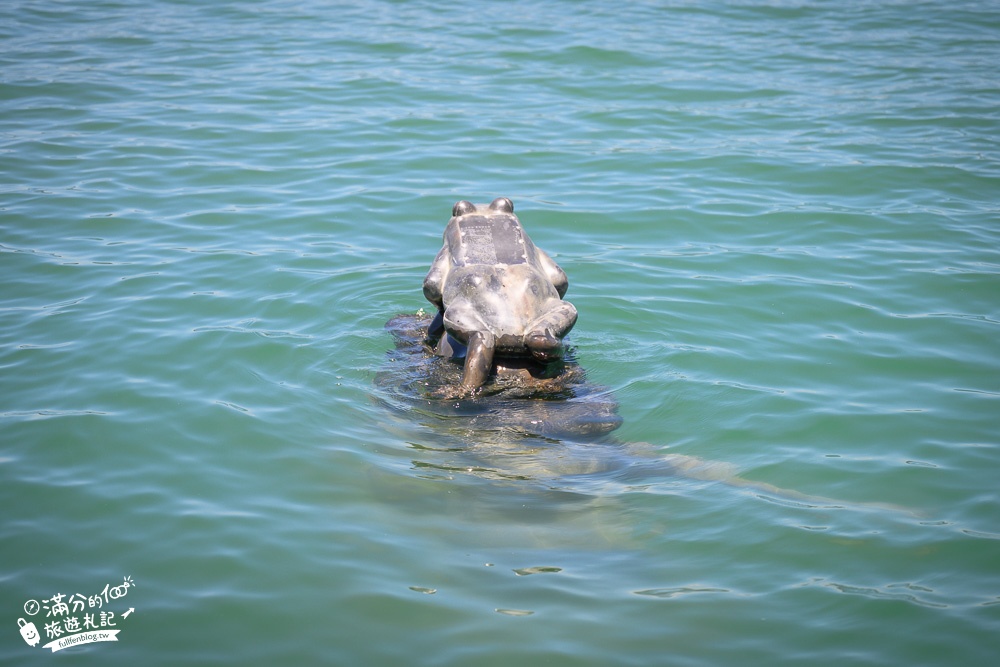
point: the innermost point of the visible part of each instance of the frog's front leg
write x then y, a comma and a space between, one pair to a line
435, 329
465, 324
478, 360
544, 335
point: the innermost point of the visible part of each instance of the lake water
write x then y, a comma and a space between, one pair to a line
781, 227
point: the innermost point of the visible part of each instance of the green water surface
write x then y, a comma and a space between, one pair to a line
781, 230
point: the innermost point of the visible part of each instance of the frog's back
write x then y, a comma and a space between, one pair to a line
496, 274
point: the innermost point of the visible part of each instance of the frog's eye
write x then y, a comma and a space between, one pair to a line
463, 208
502, 204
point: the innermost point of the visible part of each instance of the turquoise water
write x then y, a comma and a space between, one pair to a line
781, 230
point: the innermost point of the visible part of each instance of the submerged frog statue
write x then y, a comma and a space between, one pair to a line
496, 293
545, 424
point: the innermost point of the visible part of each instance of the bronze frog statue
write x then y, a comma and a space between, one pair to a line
496, 293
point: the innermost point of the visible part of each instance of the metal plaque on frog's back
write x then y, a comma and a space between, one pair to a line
492, 241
